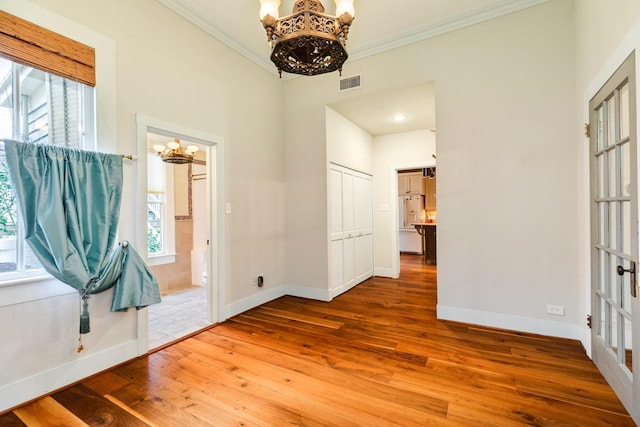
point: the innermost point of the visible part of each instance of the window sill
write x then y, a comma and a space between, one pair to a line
35, 288
161, 259
12, 279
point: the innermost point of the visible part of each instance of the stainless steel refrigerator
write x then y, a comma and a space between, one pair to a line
410, 211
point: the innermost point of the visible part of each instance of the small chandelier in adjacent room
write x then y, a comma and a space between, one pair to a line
174, 152
307, 42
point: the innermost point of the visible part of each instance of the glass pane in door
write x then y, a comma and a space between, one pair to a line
628, 344
613, 171
624, 111
599, 134
612, 331
600, 174
610, 123
601, 316
626, 227
613, 225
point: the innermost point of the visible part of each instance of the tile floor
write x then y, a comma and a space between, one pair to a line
179, 314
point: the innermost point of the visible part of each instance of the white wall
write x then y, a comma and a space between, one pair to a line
507, 200
348, 144
164, 68
507, 197
392, 153
343, 143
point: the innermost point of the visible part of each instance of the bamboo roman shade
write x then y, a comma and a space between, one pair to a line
29, 44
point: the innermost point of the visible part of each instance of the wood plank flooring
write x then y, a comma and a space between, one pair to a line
375, 356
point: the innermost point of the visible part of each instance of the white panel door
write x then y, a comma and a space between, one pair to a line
336, 230
615, 333
349, 231
335, 203
336, 273
351, 227
363, 194
364, 257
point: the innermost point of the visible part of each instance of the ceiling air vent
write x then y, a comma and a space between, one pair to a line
350, 83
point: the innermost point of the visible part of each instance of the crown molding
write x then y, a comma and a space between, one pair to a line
437, 28
178, 7
412, 35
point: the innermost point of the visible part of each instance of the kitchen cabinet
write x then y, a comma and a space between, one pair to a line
411, 183
430, 194
351, 228
410, 242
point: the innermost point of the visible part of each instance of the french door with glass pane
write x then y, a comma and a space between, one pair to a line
614, 235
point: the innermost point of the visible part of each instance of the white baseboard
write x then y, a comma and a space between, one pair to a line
43, 383
384, 272
340, 290
511, 322
261, 297
310, 293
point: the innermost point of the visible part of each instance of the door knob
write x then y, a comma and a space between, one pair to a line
632, 269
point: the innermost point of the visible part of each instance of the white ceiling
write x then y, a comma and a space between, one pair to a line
379, 26
375, 113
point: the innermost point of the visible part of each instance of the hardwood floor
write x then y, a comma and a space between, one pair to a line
375, 356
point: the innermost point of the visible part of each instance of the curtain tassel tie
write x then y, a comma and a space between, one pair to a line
85, 326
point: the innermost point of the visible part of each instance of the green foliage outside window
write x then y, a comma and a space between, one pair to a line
7, 204
153, 240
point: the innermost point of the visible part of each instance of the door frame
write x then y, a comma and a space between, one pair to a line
216, 290
395, 213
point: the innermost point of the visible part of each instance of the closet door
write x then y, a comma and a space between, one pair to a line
351, 228
336, 230
363, 230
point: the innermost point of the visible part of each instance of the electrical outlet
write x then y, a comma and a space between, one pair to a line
557, 310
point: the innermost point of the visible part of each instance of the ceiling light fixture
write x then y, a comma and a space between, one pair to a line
400, 118
307, 42
175, 153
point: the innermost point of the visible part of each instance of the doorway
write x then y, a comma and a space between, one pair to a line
415, 188
417, 211
177, 240
615, 333
181, 228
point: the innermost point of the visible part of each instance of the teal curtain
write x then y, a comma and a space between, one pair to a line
70, 203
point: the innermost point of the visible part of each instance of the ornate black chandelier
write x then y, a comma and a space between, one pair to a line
307, 42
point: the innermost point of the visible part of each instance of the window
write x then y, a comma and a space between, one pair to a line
160, 211
41, 108
46, 97
155, 224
